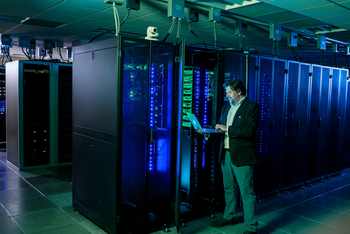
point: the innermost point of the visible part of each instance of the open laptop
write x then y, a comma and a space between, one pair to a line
196, 124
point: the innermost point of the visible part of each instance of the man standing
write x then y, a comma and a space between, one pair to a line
239, 120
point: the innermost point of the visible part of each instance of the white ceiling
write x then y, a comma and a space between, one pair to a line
79, 21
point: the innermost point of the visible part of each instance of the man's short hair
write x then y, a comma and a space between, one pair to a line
236, 85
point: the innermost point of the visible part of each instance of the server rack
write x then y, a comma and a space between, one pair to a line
338, 89
346, 158
199, 166
32, 113
124, 132
2, 107
302, 113
318, 122
294, 140
269, 142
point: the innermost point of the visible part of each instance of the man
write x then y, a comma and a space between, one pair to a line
239, 120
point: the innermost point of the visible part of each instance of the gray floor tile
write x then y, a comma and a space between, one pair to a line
38, 180
93, 228
263, 209
13, 183
9, 226
340, 222
316, 189
198, 227
341, 193
74, 214
280, 202
18, 194
29, 206
265, 229
67, 229
325, 229
316, 213
43, 220
331, 202
3, 212
287, 222
8, 175
55, 188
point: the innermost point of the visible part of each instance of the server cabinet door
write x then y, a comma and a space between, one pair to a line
234, 66
252, 73
290, 135
346, 153
334, 122
36, 112
315, 164
263, 132
324, 120
341, 119
160, 150
2, 106
64, 113
135, 137
302, 124
276, 125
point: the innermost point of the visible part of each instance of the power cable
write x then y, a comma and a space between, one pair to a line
125, 18
26, 54
189, 26
324, 58
291, 51
215, 33
116, 19
170, 30
178, 30
297, 54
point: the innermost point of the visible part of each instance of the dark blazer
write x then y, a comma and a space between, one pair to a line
241, 133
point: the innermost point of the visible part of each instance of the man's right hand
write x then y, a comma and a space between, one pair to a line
220, 127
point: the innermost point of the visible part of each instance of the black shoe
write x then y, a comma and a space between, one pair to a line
249, 232
222, 222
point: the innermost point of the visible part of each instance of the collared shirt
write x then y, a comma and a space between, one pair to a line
230, 116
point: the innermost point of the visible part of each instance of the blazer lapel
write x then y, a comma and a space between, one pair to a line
240, 110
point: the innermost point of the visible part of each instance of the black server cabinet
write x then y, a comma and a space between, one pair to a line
346, 158
318, 122
300, 166
336, 120
32, 113
296, 124
123, 138
271, 96
2, 108
252, 77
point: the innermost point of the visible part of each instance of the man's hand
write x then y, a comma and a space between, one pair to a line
221, 127
199, 130
206, 136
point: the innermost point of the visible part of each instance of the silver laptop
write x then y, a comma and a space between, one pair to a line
196, 124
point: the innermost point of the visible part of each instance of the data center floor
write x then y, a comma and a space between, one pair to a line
40, 201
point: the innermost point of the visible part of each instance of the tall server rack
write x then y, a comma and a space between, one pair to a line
318, 122
336, 132
2, 108
300, 138
269, 139
124, 134
199, 164
346, 158
32, 113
